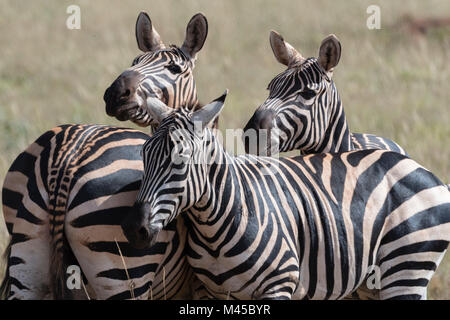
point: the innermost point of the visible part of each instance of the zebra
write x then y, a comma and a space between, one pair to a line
159, 73
303, 110
306, 227
65, 195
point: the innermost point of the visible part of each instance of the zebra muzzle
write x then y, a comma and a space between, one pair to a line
121, 94
137, 228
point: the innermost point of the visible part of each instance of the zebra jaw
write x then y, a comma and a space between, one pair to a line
146, 113
157, 109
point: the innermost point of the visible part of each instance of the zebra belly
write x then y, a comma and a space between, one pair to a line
241, 277
261, 263
246, 280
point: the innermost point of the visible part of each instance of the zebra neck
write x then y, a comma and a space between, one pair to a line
195, 105
222, 193
337, 137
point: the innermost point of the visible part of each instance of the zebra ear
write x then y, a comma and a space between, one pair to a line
157, 109
283, 51
196, 33
210, 112
329, 53
147, 37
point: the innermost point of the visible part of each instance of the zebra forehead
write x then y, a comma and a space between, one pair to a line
308, 67
173, 50
161, 56
178, 119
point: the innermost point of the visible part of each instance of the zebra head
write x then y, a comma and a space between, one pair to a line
302, 100
176, 162
160, 72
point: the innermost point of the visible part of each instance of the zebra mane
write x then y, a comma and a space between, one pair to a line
298, 69
179, 51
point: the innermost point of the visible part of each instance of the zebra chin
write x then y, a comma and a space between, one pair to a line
137, 228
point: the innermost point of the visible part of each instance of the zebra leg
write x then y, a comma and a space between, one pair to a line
29, 260
415, 239
24, 265
26, 215
407, 276
407, 262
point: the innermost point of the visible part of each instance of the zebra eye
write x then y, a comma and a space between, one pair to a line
173, 67
307, 94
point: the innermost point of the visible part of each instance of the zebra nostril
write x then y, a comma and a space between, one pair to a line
126, 94
143, 233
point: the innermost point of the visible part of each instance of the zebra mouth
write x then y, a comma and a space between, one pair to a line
127, 112
138, 112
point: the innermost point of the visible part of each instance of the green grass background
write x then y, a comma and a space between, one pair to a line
391, 83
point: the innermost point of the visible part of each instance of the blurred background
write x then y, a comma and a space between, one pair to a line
393, 82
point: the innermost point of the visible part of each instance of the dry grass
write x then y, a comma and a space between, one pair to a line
391, 83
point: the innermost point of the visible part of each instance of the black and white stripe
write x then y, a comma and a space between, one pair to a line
304, 110
308, 227
65, 196
71, 188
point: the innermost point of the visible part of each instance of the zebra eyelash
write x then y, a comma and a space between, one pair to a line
307, 94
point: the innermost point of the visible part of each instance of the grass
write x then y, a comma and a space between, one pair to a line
391, 83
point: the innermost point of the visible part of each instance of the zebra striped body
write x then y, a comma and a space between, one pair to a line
64, 197
304, 107
307, 227
361, 141
83, 179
